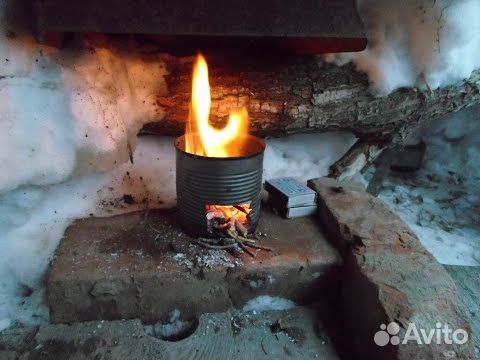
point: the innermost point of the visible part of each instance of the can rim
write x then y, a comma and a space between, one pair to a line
180, 145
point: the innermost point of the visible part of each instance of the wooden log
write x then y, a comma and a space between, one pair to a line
359, 156
292, 94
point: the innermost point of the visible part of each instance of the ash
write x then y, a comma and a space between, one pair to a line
181, 258
218, 258
207, 259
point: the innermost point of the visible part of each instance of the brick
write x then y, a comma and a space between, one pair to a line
121, 268
388, 276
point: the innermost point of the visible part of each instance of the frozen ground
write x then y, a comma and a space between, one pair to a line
441, 201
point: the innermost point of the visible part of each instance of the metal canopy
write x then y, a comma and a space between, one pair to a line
313, 22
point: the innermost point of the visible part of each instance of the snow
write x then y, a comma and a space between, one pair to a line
68, 122
265, 303
171, 329
417, 42
441, 202
4, 324
33, 218
305, 156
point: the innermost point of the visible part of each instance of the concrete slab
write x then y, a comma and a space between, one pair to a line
15, 340
16, 336
298, 333
142, 266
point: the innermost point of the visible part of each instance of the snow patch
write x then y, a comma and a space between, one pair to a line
174, 329
34, 218
4, 324
305, 156
65, 120
417, 42
441, 201
265, 303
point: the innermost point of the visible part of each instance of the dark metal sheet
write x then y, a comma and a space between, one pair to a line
314, 23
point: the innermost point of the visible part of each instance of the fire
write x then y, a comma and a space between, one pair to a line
233, 217
203, 139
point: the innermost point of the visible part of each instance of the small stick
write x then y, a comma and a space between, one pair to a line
210, 241
214, 247
240, 208
156, 230
130, 151
232, 234
260, 247
241, 228
244, 248
246, 240
263, 347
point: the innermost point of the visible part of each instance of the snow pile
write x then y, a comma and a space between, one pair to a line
265, 303
67, 115
441, 202
66, 118
33, 219
417, 42
305, 156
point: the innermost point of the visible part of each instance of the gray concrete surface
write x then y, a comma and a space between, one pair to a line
297, 333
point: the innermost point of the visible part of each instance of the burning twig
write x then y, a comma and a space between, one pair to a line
234, 241
241, 208
231, 221
242, 229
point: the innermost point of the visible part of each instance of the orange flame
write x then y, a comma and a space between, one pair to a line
201, 138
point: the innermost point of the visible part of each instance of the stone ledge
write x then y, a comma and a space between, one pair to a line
301, 334
130, 266
388, 276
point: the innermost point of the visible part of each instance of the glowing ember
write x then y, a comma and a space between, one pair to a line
203, 139
222, 217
